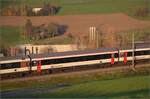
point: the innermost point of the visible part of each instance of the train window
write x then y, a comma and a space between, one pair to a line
112, 55
116, 55
75, 59
35, 63
129, 54
146, 52
138, 53
10, 65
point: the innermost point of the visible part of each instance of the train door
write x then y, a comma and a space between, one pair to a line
39, 66
112, 58
125, 57
37, 63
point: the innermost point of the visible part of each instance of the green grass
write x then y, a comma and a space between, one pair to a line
54, 81
6, 3
55, 40
131, 87
9, 35
70, 7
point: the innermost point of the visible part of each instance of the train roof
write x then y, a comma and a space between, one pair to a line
56, 54
67, 53
73, 52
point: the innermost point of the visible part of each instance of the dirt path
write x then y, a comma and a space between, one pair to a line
79, 24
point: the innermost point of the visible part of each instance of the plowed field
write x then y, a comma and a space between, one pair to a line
78, 24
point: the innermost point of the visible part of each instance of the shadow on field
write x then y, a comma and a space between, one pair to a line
62, 29
28, 91
130, 94
78, 94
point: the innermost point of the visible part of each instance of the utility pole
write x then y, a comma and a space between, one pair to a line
44, 3
97, 34
133, 48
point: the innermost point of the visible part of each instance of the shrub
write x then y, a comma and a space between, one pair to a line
43, 12
140, 11
70, 35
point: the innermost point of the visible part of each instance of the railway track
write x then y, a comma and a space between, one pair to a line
68, 70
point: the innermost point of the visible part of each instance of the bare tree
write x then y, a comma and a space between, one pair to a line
111, 39
28, 28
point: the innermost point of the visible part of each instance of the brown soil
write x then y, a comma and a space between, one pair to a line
79, 24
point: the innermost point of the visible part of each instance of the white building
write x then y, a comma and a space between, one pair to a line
36, 9
41, 49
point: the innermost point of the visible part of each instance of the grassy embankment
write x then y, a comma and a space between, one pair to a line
117, 85
73, 80
132, 87
69, 7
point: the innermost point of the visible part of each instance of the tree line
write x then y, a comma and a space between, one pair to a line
141, 11
24, 10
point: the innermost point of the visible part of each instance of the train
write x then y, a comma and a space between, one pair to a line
40, 62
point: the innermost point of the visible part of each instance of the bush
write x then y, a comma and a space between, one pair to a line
30, 13
70, 35
43, 12
141, 11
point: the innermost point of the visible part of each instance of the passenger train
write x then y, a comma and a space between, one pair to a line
40, 62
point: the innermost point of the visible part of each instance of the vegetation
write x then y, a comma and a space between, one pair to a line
91, 86
24, 10
141, 11
54, 81
116, 88
30, 32
56, 40
140, 34
45, 35
9, 36
89, 6
109, 38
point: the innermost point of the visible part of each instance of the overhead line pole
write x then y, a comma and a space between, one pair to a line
133, 48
